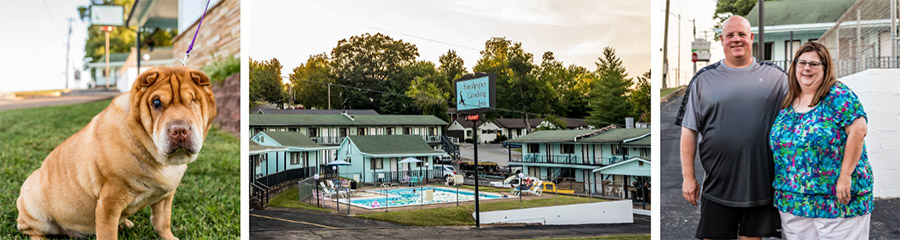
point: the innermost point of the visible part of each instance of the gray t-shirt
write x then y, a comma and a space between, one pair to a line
732, 110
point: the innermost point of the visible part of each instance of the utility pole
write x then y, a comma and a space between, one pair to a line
666, 48
694, 21
108, 28
678, 73
762, 34
68, 42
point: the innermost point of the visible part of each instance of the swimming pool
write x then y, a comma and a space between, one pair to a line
413, 196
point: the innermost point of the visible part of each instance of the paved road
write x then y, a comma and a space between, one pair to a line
487, 152
285, 223
678, 219
7, 104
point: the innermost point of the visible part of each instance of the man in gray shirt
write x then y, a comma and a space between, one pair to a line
732, 104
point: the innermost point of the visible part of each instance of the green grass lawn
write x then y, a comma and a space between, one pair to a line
206, 205
462, 215
666, 91
617, 237
288, 199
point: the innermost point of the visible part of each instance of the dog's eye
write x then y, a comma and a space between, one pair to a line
156, 103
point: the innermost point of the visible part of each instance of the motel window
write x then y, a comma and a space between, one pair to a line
406, 131
361, 131
534, 148
518, 132
376, 163
568, 149
295, 158
313, 132
618, 150
645, 152
389, 131
431, 131
343, 132
292, 129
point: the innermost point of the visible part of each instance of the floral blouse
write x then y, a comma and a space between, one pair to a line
809, 149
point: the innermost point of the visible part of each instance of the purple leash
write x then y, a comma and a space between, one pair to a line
188, 53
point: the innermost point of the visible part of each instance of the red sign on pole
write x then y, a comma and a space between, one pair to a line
693, 57
473, 117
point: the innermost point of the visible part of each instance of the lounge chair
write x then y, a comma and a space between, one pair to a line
343, 191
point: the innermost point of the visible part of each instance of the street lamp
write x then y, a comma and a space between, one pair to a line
316, 177
521, 175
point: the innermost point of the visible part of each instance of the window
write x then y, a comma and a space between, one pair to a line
518, 132
406, 131
295, 158
389, 131
376, 163
567, 148
534, 148
292, 129
361, 131
767, 52
431, 131
468, 132
789, 49
645, 152
313, 132
618, 150
343, 132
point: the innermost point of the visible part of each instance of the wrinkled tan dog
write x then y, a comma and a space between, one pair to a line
131, 155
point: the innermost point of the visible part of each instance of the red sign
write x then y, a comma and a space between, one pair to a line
693, 57
106, 28
473, 117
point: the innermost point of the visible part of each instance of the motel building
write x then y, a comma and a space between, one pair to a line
378, 159
608, 161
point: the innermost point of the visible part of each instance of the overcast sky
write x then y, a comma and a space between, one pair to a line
33, 45
699, 10
575, 31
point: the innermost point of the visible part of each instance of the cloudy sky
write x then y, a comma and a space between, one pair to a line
575, 31
702, 12
34, 44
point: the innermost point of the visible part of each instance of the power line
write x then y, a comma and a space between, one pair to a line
409, 35
422, 97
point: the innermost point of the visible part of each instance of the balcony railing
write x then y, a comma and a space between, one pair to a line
338, 140
567, 159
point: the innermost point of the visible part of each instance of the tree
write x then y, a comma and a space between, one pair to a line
452, 67
122, 38
311, 81
727, 8
429, 89
609, 104
517, 86
265, 81
369, 62
640, 97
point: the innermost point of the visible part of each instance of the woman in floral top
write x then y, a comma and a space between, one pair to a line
823, 180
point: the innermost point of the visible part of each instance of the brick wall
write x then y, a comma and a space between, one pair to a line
219, 36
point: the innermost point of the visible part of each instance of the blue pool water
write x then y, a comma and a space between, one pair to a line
413, 196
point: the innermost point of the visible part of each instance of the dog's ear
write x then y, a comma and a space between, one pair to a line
147, 78
200, 78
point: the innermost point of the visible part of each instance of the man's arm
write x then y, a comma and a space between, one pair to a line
689, 188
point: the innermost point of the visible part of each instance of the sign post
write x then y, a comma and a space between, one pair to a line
699, 51
107, 16
476, 94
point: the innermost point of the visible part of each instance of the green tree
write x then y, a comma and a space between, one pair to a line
640, 97
311, 80
265, 81
727, 8
369, 62
517, 86
429, 89
121, 38
610, 101
451, 68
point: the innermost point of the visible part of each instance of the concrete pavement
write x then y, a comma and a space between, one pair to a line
286, 223
678, 219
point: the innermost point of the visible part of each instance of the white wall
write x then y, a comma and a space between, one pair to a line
879, 92
588, 213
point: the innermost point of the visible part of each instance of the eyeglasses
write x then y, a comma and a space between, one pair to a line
812, 65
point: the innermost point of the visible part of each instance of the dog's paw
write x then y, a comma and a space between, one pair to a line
126, 224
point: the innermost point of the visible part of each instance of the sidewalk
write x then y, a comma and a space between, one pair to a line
74, 97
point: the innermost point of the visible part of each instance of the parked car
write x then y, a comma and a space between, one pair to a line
446, 159
445, 171
508, 144
484, 168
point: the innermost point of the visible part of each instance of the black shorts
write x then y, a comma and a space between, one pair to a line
718, 221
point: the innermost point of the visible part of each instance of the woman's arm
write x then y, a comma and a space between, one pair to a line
852, 151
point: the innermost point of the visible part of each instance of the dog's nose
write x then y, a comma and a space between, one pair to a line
178, 133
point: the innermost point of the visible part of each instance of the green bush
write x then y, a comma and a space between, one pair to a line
221, 68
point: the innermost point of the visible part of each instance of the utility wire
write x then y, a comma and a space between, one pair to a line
423, 97
409, 35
